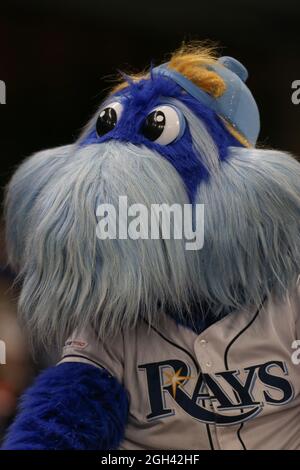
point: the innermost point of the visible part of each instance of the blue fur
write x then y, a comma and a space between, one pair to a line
70, 406
138, 101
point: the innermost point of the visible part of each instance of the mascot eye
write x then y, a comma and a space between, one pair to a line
108, 118
163, 125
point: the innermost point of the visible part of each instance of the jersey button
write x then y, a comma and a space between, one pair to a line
203, 342
208, 364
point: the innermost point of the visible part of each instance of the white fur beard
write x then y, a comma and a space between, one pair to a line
70, 278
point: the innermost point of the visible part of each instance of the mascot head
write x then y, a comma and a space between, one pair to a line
182, 134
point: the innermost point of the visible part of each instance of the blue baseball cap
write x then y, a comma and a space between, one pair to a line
236, 105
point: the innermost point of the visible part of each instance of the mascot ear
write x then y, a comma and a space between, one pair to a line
22, 194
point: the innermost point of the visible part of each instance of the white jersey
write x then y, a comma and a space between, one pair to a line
234, 386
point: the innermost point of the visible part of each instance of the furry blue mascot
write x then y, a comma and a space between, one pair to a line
164, 347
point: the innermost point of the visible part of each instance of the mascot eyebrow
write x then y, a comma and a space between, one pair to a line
206, 95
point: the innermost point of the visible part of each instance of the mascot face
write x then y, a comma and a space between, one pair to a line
154, 141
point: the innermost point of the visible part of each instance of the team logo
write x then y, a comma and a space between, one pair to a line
170, 377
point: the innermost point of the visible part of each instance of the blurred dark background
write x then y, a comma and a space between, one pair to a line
54, 58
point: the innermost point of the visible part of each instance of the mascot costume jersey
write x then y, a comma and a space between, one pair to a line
163, 347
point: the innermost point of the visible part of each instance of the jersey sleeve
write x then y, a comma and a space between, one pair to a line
86, 347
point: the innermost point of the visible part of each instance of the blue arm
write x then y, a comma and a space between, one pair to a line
70, 406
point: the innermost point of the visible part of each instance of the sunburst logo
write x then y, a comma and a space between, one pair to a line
175, 379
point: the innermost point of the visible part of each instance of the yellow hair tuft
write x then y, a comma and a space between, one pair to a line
191, 61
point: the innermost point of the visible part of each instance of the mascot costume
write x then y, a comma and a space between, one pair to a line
163, 347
